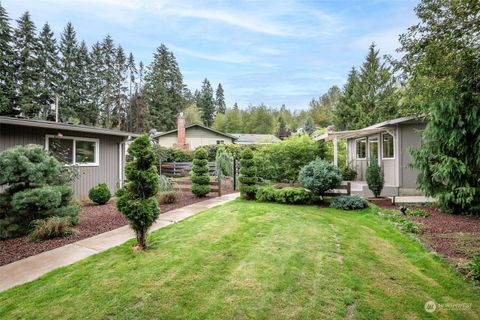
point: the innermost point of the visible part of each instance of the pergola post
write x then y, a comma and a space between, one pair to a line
335, 151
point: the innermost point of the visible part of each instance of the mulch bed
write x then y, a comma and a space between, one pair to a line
93, 220
455, 237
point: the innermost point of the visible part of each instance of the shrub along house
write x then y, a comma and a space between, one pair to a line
388, 143
99, 154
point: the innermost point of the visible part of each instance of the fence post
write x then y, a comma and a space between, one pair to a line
234, 174
219, 188
349, 188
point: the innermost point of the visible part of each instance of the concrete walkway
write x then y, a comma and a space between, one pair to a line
33, 267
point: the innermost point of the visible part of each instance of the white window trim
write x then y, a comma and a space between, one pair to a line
394, 153
366, 149
97, 149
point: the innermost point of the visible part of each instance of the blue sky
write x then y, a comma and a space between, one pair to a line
272, 52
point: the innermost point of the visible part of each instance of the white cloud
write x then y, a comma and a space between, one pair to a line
230, 57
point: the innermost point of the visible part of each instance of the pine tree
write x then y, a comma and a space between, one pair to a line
137, 117
248, 175
27, 66
346, 111
200, 175
108, 76
220, 100
48, 71
69, 93
7, 67
95, 81
309, 126
121, 98
206, 103
282, 127
132, 73
163, 90
86, 110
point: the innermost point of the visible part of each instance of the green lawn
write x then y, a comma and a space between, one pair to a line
254, 260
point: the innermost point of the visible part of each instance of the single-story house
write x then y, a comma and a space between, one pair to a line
99, 154
247, 138
191, 136
388, 143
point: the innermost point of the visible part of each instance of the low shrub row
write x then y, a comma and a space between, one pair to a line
349, 203
288, 195
400, 221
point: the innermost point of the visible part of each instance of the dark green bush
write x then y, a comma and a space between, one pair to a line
349, 203
349, 174
320, 176
294, 196
375, 178
248, 175
200, 174
36, 189
136, 200
164, 154
100, 194
266, 194
52, 227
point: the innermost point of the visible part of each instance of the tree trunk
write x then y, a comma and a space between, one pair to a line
142, 239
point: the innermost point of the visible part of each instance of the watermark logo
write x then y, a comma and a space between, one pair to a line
430, 306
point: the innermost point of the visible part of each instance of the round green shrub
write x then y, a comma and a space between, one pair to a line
349, 203
320, 176
375, 179
349, 174
266, 194
100, 193
248, 175
200, 174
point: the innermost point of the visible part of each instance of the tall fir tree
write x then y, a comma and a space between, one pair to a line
132, 74
121, 90
86, 110
220, 100
346, 111
27, 66
95, 80
163, 90
206, 103
108, 76
70, 74
48, 71
7, 68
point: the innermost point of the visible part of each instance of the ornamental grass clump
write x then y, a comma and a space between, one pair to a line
37, 189
248, 175
136, 200
200, 175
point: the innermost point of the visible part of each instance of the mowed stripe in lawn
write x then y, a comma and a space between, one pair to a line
253, 260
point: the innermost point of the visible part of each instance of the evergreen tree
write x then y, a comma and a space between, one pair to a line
309, 126
137, 117
206, 103
322, 109
121, 95
86, 110
95, 81
220, 100
233, 120
200, 175
193, 114
164, 90
70, 77
7, 67
346, 111
248, 175
109, 85
48, 71
442, 63
27, 66
282, 127
377, 96
132, 73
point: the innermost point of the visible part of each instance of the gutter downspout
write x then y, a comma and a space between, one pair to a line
121, 158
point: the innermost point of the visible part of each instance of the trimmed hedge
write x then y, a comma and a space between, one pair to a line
248, 175
349, 203
200, 174
287, 195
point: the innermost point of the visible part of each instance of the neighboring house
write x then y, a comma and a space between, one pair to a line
98, 153
388, 143
246, 138
192, 136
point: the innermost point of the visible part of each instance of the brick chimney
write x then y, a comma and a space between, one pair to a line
181, 138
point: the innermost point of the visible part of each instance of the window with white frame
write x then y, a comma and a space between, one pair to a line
220, 141
74, 150
388, 150
361, 147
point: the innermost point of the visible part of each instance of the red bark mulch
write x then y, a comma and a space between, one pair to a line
93, 220
455, 237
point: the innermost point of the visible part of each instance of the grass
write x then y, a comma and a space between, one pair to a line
255, 260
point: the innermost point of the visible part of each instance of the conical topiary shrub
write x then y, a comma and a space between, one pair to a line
248, 175
375, 178
200, 173
136, 200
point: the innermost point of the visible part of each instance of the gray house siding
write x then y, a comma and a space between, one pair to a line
410, 138
107, 171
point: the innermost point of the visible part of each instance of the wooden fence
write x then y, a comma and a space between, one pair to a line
180, 169
338, 191
186, 185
